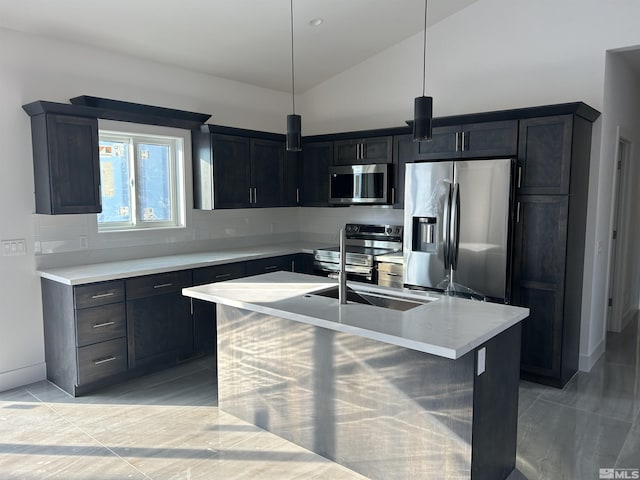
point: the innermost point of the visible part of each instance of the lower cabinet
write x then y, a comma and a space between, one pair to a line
204, 313
159, 322
85, 334
102, 333
268, 265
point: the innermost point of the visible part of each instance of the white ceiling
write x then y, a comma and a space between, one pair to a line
242, 40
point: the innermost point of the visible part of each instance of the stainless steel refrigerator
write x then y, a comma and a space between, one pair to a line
457, 227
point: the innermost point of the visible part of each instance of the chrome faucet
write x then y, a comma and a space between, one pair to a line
342, 274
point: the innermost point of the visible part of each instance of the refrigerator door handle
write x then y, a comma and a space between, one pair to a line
446, 229
455, 227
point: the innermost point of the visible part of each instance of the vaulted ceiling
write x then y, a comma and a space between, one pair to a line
243, 40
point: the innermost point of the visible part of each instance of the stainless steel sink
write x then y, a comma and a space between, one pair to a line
376, 299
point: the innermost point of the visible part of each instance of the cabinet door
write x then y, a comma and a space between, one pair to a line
362, 151
377, 150
490, 139
69, 163
444, 144
268, 265
303, 263
290, 195
403, 152
267, 162
159, 329
231, 171
204, 313
538, 279
544, 155
314, 180
346, 152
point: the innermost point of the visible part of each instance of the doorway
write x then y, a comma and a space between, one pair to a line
622, 297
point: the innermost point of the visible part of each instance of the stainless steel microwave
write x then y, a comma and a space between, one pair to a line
359, 184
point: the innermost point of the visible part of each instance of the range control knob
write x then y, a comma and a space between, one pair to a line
388, 230
397, 230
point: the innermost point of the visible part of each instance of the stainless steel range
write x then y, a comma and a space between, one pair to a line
363, 244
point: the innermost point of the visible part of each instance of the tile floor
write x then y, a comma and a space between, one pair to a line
167, 426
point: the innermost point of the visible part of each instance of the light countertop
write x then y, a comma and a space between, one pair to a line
100, 272
445, 326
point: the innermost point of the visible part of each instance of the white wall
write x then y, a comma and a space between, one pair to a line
34, 68
493, 55
621, 112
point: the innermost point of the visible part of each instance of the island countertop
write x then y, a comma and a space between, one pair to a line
445, 326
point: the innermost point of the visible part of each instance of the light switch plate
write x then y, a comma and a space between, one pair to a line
14, 248
482, 360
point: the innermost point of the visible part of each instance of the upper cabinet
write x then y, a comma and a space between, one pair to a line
473, 140
65, 162
232, 171
363, 151
544, 155
314, 173
403, 152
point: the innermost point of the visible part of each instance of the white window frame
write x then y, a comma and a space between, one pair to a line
139, 133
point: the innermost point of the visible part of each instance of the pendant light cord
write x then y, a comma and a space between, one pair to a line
293, 80
424, 52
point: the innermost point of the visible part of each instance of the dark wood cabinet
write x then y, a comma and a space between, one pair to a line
85, 334
231, 171
303, 263
544, 155
291, 174
404, 151
314, 174
268, 265
474, 140
549, 244
363, 150
159, 322
539, 267
204, 313
267, 173
66, 164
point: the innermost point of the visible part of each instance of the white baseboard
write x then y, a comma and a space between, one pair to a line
587, 362
22, 376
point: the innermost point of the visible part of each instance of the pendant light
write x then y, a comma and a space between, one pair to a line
423, 106
294, 122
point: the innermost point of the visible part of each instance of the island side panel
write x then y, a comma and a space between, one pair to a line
495, 407
379, 409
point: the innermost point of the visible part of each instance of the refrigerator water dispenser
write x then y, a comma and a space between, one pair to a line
424, 234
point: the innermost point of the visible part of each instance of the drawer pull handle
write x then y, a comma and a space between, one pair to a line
392, 274
163, 285
271, 267
105, 324
103, 295
223, 275
104, 360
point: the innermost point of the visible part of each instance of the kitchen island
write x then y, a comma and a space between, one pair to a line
425, 386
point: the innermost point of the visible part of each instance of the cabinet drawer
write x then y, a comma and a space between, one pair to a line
218, 273
96, 294
99, 324
157, 284
101, 360
268, 265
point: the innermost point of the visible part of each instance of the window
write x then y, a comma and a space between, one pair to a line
141, 177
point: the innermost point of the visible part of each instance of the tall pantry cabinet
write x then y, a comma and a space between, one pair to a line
549, 242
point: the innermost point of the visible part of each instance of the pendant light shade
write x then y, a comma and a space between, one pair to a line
294, 133
422, 118
294, 122
423, 106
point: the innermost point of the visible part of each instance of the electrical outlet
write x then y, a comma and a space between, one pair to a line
84, 242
